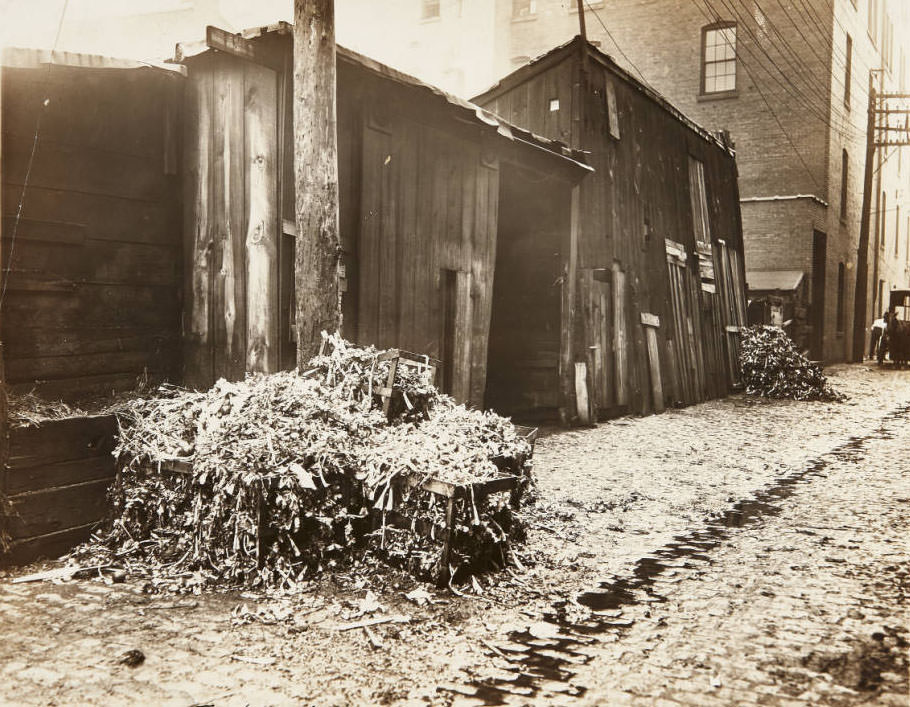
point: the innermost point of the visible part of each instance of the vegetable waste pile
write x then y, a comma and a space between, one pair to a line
264, 482
773, 368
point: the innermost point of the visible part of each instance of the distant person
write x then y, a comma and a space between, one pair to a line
878, 328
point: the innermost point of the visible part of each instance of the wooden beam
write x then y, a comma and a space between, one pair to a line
567, 314
4, 416
582, 405
620, 355
262, 236
651, 323
239, 46
316, 175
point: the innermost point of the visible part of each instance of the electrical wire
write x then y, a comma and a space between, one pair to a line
7, 271
774, 115
619, 48
810, 102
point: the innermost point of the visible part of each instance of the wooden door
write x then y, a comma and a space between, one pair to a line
733, 301
684, 328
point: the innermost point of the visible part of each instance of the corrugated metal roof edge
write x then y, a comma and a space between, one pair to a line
30, 58
481, 115
533, 67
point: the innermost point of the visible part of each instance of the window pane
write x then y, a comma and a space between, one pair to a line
719, 61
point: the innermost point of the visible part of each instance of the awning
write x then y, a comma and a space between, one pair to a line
774, 280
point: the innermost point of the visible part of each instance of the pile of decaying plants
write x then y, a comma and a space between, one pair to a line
773, 368
261, 482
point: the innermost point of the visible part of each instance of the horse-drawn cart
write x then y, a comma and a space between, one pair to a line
896, 338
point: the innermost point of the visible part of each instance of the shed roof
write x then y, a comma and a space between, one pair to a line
563, 51
470, 110
25, 58
770, 280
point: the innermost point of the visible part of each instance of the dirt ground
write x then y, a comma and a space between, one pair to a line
606, 498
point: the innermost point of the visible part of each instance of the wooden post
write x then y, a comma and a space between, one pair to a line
4, 419
651, 322
582, 31
567, 311
862, 251
582, 405
316, 175
620, 355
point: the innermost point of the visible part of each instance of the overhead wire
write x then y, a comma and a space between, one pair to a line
810, 102
619, 48
786, 85
773, 113
7, 270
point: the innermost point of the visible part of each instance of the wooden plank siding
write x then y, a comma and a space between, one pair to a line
57, 477
420, 196
91, 301
638, 197
428, 205
231, 214
420, 215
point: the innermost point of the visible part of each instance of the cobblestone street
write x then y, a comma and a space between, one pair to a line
737, 552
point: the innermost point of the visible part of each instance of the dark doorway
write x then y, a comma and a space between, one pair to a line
523, 355
448, 283
817, 318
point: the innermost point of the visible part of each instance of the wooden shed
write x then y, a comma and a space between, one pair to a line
432, 190
90, 293
655, 275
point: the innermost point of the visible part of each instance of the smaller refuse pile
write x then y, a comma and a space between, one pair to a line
263, 482
773, 368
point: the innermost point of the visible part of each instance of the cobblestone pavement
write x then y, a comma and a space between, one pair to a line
796, 597
735, 552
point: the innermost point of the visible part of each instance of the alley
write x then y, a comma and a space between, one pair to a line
741, 551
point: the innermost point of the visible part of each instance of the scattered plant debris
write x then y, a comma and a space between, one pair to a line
772, 367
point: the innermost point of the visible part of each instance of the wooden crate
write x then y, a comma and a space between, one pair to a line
477, 493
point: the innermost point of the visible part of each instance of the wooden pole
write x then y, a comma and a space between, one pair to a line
862, 251
4, 412
318, 295
581, 21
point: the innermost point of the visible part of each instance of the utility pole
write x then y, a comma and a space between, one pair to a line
886, 135
878, 223
317, 259
862, 252
581, 20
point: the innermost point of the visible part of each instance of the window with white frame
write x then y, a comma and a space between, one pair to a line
718, 66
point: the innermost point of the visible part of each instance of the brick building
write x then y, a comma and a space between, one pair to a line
789, 81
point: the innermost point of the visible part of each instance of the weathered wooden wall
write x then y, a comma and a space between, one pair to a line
232, 220
91, 302
419, 204
636, 201
418, 217
57, 479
